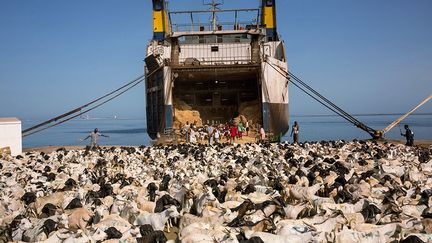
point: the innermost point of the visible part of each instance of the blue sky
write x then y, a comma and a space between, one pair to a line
367, 56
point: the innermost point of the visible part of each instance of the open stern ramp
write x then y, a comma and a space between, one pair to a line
220, 71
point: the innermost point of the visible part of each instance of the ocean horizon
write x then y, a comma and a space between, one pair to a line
132, 132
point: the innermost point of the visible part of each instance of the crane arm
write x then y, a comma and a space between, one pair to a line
400, 119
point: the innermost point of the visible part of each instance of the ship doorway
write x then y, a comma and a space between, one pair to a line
206, 98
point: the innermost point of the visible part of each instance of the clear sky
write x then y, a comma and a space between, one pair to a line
367, 56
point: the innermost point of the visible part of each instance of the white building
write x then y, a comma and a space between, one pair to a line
10, 135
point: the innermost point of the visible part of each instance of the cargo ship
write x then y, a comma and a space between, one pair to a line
216, 68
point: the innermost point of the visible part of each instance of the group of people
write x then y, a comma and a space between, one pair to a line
409, 135
215, 133
231, 131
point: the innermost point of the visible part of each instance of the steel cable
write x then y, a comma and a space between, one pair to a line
126, 87
323, 98
289, 74
324, 101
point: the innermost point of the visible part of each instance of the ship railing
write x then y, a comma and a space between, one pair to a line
215, 53
222, 16
215, 39
215, 61
197, 27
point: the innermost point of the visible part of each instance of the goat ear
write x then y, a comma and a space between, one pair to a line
224, 210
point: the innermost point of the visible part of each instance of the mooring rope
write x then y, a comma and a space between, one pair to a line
322, 100
67, 116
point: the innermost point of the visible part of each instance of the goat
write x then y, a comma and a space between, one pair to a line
292, 211
303, 194
198, 238
201, 200
347, 235
146, 206
79, 218
55, 199
297, 233
157, 220
268, 237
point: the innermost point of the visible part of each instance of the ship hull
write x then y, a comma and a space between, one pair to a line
189, 90
276, 118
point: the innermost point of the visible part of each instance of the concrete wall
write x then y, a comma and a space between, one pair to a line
10, 134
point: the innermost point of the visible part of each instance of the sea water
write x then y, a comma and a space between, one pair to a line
317, 128
132, 132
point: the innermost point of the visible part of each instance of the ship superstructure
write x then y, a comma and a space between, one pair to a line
218, 68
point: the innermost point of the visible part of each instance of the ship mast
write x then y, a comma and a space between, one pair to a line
214, 7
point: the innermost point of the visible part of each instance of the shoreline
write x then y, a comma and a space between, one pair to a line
49, 149
418, 143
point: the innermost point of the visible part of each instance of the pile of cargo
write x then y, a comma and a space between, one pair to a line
250, 111
184, 113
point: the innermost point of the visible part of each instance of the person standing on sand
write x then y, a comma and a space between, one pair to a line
233, 132
94, 137
192, 136
227, 131
210, 131
295, 131
240, 130
186, 129
217, 135
262, 134
247, 128
409, 135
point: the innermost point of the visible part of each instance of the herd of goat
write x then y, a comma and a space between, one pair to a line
337, 191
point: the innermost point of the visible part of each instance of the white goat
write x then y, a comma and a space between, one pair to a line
347, 235
304, 193
157, 220
268, 237
203, 199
